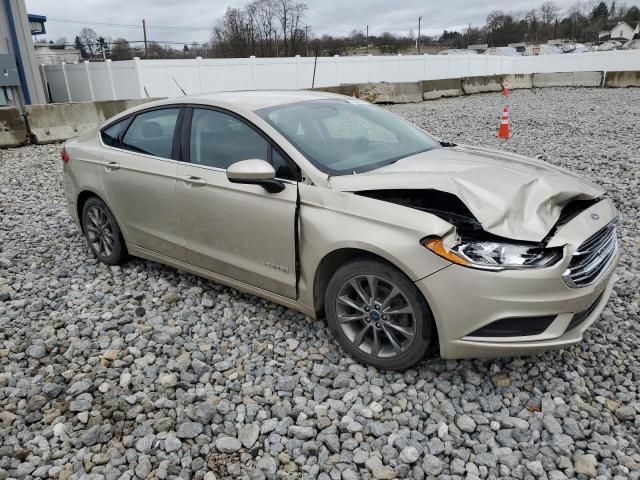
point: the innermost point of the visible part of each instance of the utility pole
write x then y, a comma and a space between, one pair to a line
144, 34
367, 39
419, 20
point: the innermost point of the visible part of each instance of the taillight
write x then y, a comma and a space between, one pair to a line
64, 155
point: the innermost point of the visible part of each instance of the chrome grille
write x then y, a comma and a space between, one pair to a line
592, 257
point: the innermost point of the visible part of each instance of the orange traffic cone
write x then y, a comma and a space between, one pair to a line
505, 88
503, 131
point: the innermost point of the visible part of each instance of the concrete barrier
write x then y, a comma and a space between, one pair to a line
348, 89
60, 121
383, 92
567, 79
519, 80
622, 79
57, 122
491, 83
448, 87
13, 128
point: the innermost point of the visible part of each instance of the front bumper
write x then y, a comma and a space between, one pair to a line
467, 310
465, 301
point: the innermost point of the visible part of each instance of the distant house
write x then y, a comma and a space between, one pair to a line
51, 54
620, 31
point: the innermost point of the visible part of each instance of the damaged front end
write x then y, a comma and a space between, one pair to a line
469, 244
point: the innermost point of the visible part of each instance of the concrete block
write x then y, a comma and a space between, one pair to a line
383, 92
622, 79
519, 80
13, 128
346, 89
56, 122
447, 87
490, 83
567, 79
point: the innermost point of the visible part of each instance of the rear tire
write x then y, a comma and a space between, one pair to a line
378, 315
102, 232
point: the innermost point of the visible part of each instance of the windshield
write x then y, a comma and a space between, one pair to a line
347, 136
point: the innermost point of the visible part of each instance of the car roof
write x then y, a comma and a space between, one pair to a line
257, 99
241, 100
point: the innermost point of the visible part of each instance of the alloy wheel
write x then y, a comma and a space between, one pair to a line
100, 231
376, 316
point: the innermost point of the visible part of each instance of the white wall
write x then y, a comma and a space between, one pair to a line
159, 78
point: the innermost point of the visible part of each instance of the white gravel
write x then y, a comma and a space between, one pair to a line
206, 382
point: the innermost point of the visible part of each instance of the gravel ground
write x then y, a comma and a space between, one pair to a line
144, 372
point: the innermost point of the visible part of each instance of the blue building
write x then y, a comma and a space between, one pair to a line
20, 80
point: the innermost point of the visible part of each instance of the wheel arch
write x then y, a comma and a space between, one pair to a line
332, 261
83, 196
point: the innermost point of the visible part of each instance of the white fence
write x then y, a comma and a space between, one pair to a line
160, 78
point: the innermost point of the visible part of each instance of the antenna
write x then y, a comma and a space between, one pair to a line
313, 81
181, 89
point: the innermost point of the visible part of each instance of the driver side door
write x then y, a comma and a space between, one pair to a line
239, 231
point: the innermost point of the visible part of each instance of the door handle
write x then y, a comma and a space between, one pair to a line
194, 181
111, 166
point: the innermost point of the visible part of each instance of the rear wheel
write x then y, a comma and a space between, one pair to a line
378, 315
102, 232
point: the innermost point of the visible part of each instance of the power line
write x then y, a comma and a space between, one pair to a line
127, 25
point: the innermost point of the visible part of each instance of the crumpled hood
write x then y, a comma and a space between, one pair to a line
510, 195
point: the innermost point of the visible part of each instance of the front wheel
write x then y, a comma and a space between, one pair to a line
102, 232
378, 315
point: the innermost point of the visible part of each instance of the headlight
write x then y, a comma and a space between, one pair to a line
490, 255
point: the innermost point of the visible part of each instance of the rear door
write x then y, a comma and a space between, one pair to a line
139, 176
236, 230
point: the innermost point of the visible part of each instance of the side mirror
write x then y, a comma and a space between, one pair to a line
255, 172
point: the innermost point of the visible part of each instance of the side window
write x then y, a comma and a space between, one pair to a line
110, 135
285, 170
152, 133
219, 140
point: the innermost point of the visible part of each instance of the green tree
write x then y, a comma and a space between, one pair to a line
632, 15
600, 12
80, 46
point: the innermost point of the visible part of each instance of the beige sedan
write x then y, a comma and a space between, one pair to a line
344, 211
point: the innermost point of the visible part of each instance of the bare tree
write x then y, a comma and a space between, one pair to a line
262, 17
357, 37
230, 33
89, 40
121, 50
291, 16
548, 13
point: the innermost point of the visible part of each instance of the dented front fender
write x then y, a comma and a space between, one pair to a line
332, 220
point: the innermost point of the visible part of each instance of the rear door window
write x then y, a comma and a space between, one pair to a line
152, 132
110, 135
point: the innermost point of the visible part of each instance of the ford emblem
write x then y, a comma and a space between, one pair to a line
595, 216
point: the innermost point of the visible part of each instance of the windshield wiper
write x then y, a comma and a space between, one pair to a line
448, 144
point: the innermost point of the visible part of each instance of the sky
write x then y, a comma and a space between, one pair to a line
192, 20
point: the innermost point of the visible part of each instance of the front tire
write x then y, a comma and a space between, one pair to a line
378, 315
102, 232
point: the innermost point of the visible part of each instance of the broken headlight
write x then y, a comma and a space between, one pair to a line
493, 255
